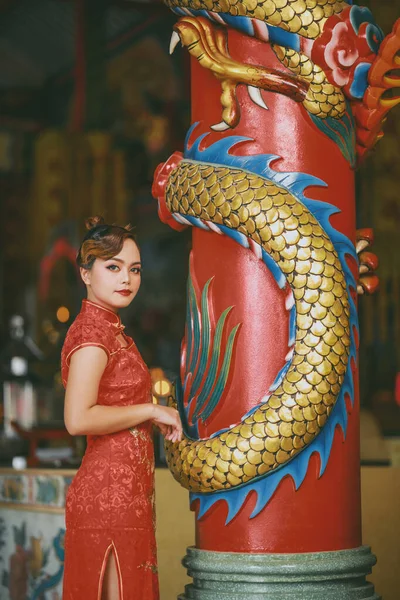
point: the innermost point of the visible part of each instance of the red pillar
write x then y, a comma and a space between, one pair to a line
287, 524
310, 503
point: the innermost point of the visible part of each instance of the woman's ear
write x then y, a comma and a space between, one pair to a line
85, 274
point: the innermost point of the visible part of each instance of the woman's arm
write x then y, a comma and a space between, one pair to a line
82, 414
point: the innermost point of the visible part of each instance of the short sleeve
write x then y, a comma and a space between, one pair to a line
83, 334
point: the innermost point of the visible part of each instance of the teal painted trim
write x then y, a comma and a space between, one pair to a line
196, 327
189, 327
215, 357
340, 131
205, 337
222, 378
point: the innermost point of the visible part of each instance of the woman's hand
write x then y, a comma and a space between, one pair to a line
168, 421
166, 431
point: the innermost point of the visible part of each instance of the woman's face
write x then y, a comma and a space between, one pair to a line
114, 283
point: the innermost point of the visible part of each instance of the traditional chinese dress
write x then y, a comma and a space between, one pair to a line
110, 503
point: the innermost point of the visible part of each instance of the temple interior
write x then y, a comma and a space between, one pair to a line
91, 102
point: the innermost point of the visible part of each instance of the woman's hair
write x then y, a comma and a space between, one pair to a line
102, 241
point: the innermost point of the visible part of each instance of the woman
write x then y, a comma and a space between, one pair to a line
110, 551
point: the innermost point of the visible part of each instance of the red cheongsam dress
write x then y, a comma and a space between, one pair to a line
110, 503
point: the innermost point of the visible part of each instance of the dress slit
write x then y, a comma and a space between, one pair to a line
110, 551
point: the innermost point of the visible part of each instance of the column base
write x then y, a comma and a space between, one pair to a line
308, 576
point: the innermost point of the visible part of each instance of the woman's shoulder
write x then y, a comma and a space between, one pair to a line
85, 325
86, 331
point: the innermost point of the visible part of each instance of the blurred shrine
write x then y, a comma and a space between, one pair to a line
91, 101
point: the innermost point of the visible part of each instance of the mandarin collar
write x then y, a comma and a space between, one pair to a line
100, 312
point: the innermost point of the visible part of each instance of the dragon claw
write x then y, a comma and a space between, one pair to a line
222, 126
368, 262
368, 282
208, 44
175, 39
255, 95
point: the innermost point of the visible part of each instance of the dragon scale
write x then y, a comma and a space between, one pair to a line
291, 416
305, 17
323, 99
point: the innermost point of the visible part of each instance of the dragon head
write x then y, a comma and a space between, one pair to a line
334, 59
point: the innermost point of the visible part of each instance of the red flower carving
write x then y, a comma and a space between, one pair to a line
340, 49
341, 53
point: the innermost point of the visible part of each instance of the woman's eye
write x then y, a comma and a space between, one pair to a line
112, 267
136, 270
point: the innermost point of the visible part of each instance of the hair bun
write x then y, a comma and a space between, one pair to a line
93, 222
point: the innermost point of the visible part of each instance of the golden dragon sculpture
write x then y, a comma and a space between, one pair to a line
274, 218
297, 410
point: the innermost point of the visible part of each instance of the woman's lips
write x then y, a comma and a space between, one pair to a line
124, 292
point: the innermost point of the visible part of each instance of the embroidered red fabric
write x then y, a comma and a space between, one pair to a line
110, 503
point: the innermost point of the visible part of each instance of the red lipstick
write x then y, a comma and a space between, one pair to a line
124, 292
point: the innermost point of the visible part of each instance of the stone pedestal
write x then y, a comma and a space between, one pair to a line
337, 575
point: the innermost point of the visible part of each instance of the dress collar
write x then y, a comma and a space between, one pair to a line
105, 314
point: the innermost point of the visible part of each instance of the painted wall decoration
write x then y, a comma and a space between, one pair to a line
33, 556
45, 489
296, 96
32, 533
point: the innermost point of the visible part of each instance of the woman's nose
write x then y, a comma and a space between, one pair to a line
124, 275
